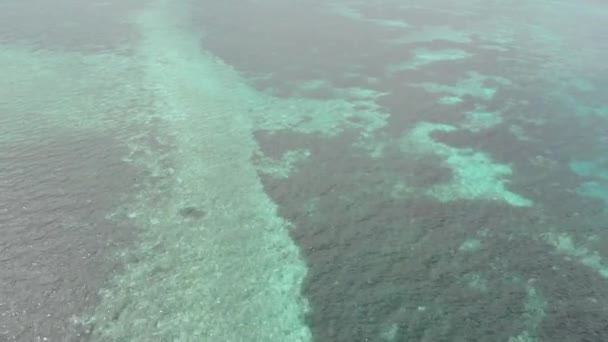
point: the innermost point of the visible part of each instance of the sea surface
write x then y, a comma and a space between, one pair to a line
304, 170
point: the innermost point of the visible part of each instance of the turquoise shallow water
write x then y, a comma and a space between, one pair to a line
303, 171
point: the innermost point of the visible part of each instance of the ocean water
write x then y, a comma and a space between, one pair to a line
338, 170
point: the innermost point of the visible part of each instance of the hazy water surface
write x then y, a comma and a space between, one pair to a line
307, 170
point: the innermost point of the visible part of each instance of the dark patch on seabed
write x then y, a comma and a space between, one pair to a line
392, 268
192, 212
57, 242
380, 265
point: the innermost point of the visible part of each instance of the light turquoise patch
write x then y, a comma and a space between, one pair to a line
519, 133
389, 334
564, 244
601, 112
473, 86
597, 188
583, 85
523, 337
535, 307
401, 190
476, 282
424, 57
583, 109
356, 108
351, 11
450, 100
590, 111
347, 10
282, 168
501, 48
432, 33
470, 245
391, 24
312, 206
503, 33
480, 120
311, 85
588, 169
373, 145
476, 176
